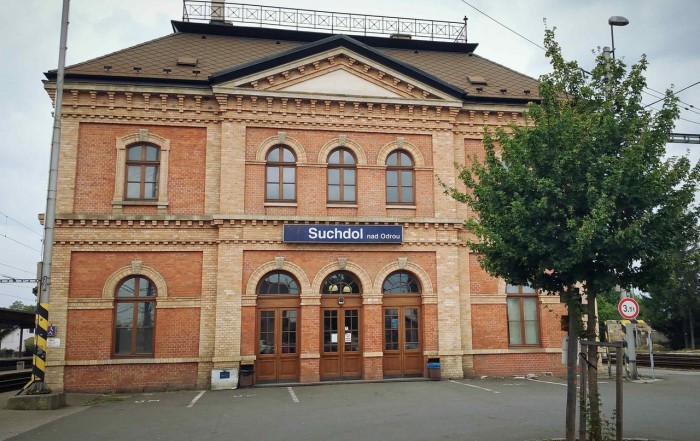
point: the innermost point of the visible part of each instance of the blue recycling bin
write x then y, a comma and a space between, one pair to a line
434, 369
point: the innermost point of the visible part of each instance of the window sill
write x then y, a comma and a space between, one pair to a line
280, 204
341, 205
401, 207
119, 204
140, 202
138, 358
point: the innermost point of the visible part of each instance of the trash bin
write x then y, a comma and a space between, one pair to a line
434, 369
245, 378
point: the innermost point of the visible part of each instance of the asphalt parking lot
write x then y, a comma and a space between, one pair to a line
469, 409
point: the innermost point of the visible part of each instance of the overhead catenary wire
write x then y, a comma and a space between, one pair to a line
527, 39
493, 19
20, 223
20, 243
15, 268
680, 101
4, 234
685, 108
17, 297
674, 93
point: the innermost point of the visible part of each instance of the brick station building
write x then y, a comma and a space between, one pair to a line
233, 196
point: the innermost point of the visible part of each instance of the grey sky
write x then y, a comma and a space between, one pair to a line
666, 31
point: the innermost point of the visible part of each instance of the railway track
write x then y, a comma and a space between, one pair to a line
14, 380
670, 360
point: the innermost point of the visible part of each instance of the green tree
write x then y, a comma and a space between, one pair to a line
607, 308
673, 304
583, 194
29, 344
17, 305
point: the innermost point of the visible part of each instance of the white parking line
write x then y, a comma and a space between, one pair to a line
560, 384
477, 387
548, 382
294, 396
194, 401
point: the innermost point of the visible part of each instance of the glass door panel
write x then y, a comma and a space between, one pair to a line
330, 331
411, 333
412, 354
352, 331
267, 332
289, 332
391, 329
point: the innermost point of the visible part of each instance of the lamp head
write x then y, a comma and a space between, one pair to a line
617, 20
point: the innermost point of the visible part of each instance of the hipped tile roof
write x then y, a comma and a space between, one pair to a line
156, 60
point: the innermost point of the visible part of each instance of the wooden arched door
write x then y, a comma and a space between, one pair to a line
277, 343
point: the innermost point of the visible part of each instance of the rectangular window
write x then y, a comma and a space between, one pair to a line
142, 172
144, 328
392, 190
125, 314
134, 328
523, 323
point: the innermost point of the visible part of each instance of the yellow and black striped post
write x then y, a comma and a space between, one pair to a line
42, 329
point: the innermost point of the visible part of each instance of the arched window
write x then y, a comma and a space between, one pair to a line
341, 176
142, 168
340, 282
399, 178
280, 173
278, 283
400, 282
135, 309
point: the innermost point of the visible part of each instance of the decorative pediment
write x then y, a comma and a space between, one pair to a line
336, 71
341, 82
338, 74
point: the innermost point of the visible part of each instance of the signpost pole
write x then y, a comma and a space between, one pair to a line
618, 392
629, 309
631, 350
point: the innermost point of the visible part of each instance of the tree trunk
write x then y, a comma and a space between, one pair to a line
691, 325
571, 356
593, 401
686, 336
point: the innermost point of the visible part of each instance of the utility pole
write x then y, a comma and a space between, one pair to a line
38, 385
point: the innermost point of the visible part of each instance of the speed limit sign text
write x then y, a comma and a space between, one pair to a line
628, 308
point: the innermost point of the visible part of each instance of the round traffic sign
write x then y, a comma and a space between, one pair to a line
628, 308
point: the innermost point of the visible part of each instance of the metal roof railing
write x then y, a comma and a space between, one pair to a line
331, 22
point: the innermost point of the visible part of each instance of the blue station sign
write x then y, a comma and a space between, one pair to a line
342, 233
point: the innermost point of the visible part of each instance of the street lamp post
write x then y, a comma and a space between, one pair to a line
616, 20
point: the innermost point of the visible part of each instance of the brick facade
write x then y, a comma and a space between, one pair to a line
216, 237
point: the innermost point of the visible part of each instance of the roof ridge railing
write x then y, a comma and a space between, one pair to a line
219, 11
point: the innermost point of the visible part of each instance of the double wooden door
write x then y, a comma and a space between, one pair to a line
341, 345
403, 347
277, 349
